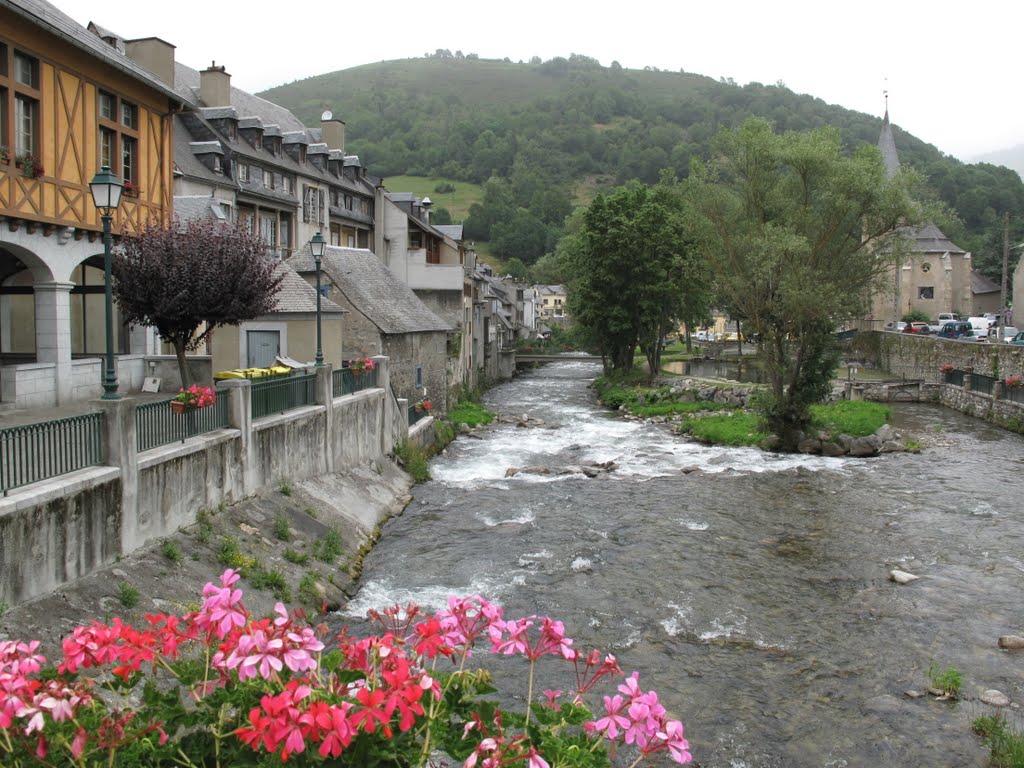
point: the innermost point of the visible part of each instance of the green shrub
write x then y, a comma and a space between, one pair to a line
736, 429
856, 418
230, 555
285, 488
128, 594
415, 462
309, 594
667, 409
204, 525
282, 532
328, 547
171, 550
1006, 745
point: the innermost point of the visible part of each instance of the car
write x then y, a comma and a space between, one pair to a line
1007, 333
1018, 339
955, 330
730, 336
705, 335
916, 327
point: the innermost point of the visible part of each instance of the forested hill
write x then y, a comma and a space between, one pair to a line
549, 134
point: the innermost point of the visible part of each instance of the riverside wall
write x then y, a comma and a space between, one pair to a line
61, 530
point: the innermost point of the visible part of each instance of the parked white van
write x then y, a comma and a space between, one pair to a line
980, 326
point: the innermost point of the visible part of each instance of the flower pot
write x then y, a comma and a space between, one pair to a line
178, 406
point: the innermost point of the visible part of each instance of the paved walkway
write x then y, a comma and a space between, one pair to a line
19, 417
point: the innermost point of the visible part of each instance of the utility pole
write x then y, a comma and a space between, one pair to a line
1002, 286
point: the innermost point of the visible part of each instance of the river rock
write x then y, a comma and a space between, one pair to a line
902, 577
1011, 642
886, 433
829, 448
865, 446
995, 698
810, 445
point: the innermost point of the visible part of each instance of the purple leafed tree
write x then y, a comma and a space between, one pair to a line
191, 278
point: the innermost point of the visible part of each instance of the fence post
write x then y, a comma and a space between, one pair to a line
387, 415
121, 450
239, 392
997, 390
325, 397
968, 384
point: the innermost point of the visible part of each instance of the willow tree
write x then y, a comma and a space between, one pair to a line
798, 233
191, 278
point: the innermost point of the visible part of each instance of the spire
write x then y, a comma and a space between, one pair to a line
887, 143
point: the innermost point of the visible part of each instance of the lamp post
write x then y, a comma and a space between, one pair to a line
106, 195
318, 245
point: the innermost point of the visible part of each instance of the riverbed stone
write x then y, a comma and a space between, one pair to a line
865, 446
902, 577
886, 433
809, 445
995, 698
1011, 642
830, 448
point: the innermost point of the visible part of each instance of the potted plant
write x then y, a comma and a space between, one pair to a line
362, 365
130, 189
31, 167
193, 398
1014, 381
946, 368
424, 406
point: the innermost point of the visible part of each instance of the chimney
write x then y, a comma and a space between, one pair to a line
154, 54
215, 87
332, 132
426, 203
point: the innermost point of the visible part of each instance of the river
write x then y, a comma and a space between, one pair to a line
753, 595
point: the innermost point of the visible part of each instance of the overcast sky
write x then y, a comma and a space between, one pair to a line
951, 69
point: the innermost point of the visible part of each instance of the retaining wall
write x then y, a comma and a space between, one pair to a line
63, 529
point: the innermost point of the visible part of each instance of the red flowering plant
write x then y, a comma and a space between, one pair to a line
424, 406
1014, 381
196, 396
219, 688
946, 368
362, 364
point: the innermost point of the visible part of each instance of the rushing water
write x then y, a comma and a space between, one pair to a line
753, 595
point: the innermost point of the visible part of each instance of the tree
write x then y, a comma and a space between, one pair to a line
635, 272
797, 234
191, 278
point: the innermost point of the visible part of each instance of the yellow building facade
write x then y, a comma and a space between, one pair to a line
70, 103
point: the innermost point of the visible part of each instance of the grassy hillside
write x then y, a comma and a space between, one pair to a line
530, 141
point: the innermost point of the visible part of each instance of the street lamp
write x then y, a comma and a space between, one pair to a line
106, 195
318, 245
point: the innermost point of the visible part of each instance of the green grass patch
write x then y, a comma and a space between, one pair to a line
271, 581
295, 557
285, 488
204, 525
328, 547
282, 532
127, 594
1006, 745
737, 429
469, 413
230, 555
856, 418
457, 202
171, 550
669, 409
415, 462
309, 594
948, 680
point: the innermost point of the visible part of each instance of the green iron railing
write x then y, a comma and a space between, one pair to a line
415, 415
1013, 394
345, 382
282, 394
34, 452
983, 384
956, 378
156, 424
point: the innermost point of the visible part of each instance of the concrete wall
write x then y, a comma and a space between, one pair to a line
62, 529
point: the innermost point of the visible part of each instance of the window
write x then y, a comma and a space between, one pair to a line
348, 202
926, 292
218, 165
335, 234
243, 172
286, 231
19, 104
26, 70
419, 377
118, 135
415, 240
289, 184
268, 229
26, 118
129, 159
268, 179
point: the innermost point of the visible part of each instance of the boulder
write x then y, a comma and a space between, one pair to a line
902, 577
995, 698
830, 448
865, 446
809, 445
886, 433
1011, 642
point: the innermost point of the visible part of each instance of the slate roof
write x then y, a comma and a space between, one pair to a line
55, 21
298, 296
930, 239
887, 145
982, 284
186, 83
373, 289
186, 162
198, 207
454, 231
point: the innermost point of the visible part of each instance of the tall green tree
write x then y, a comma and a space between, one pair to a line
635, 272
797, 233
189, 279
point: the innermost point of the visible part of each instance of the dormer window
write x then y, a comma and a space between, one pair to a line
243, 172
259, 141
218, 166
268, 179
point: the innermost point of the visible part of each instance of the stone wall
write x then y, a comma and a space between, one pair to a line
910, 356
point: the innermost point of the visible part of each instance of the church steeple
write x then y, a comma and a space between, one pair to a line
887, 143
